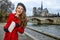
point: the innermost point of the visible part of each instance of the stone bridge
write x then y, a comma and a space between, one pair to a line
50, 20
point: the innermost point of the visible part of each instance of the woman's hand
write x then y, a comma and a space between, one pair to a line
6, 30
17, 25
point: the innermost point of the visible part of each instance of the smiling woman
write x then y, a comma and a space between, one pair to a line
16, 23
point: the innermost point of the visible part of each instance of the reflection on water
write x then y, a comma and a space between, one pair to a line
55, 29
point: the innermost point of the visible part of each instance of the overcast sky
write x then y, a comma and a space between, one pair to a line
52, 5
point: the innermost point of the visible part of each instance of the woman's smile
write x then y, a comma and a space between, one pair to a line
19, 9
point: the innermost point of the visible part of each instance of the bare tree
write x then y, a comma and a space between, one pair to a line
6, 7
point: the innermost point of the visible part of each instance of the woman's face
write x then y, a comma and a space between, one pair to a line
19, 10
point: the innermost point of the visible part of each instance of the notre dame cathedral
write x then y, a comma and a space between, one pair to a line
41, 12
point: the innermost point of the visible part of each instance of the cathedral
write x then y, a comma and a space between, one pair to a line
41, 12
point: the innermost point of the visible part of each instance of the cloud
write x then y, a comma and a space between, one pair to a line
52, 4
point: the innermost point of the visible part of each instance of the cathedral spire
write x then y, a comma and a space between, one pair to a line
41, 5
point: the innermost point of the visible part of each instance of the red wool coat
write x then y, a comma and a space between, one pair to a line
14, 34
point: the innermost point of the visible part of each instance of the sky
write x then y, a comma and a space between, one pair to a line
53, 6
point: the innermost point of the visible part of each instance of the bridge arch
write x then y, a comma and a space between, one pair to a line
36, 19
50, 20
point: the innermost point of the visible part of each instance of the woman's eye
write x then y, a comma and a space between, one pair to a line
18, 8
22, 8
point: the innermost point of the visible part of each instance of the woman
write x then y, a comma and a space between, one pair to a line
20, 21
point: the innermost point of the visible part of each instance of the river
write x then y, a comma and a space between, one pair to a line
54, 29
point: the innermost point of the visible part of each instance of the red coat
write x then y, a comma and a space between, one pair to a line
14, 34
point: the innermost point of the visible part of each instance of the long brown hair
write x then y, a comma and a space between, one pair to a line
23, 19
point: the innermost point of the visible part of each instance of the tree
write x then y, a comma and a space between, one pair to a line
5, 7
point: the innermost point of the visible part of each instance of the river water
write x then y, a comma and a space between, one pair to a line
54, 29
